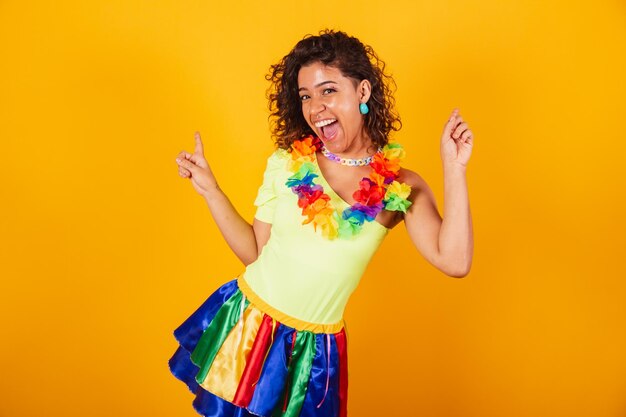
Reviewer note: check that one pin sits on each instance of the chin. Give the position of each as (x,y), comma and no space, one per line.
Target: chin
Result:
(335,144)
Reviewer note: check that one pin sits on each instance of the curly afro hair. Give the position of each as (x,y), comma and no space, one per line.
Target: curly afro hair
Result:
(355,60)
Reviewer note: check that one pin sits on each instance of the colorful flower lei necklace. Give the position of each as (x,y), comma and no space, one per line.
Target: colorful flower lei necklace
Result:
(379,192)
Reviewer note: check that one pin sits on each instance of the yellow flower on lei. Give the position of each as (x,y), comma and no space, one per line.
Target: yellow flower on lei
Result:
(393,151)
(396,197)
(400,189)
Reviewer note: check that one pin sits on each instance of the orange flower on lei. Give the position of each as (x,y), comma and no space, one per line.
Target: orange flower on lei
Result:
(303,151)
(386,167)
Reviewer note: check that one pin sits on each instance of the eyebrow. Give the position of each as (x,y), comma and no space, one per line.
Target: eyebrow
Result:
(318,85)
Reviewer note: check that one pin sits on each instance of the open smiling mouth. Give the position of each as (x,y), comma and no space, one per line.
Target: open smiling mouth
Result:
(328,128)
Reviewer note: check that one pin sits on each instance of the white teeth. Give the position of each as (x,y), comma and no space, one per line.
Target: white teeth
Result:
(324,122)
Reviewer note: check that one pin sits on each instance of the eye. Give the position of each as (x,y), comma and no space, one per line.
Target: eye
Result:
(303,97)
(330,90)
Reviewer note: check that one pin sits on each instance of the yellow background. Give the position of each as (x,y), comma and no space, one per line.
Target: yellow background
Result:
(105,249)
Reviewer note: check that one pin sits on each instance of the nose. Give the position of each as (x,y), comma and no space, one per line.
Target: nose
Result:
(316,106)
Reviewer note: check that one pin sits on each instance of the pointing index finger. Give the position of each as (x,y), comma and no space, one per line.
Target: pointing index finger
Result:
(199,147)
(453,115)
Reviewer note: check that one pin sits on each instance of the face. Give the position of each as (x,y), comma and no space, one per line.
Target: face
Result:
(330,105)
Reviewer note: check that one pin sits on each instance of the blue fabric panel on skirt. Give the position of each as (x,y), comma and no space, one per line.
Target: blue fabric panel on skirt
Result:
(184,369)
(210,405)
(188,334)
(271,386)
(317,383)
(191,330)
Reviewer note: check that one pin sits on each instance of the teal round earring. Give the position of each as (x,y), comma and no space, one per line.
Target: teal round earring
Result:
(363,108)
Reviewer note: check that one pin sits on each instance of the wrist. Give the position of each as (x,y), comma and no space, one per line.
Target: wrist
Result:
(211,193)
(454,168)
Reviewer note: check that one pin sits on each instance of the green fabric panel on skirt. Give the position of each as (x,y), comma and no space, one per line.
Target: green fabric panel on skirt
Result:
(215,334)
(299,372)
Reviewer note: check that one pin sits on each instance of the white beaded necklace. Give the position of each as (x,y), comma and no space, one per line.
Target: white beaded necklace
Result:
(347,161)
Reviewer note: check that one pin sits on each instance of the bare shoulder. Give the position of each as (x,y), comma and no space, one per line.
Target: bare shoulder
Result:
(413,179)
(423,209)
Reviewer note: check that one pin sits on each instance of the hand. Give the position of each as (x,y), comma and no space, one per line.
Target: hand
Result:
(197,168)
(457,141)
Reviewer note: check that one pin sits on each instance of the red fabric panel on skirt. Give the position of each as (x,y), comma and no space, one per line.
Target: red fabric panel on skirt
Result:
(340,339)
(252,371)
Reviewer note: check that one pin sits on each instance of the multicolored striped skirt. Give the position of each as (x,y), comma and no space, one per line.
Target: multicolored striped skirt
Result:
(243,358)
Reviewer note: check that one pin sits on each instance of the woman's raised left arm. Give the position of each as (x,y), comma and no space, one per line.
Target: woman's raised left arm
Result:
(446,243)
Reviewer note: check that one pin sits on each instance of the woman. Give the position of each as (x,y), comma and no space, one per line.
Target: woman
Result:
(272,341)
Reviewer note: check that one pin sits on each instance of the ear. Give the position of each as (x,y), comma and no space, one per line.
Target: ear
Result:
(364,91)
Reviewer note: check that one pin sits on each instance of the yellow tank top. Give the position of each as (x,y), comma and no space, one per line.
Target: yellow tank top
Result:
(299,272)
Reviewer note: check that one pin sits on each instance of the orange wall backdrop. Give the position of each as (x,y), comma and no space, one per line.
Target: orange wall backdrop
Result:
(105,250)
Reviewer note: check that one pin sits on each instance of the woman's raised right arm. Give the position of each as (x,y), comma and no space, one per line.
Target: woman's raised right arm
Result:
(245,240)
